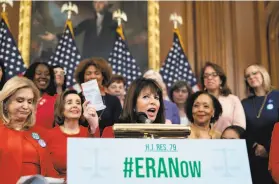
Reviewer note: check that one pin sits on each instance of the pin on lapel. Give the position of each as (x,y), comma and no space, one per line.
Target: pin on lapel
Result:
(42,143)
(35,136)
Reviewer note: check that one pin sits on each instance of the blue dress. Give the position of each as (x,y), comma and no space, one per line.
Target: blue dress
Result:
(172,112)
(259,130)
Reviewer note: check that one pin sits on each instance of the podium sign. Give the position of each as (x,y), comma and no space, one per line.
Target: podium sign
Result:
(157,161)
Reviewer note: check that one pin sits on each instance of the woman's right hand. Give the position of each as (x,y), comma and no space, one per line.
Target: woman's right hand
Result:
(90,114)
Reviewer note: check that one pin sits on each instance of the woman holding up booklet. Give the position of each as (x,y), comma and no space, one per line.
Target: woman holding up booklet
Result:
(98,69)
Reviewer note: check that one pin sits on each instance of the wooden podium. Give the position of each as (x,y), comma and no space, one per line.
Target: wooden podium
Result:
(151,131)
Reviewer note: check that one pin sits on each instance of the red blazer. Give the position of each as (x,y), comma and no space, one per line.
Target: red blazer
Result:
(11,155)
(45,111)
(108,132)
(57,145)
(274,154)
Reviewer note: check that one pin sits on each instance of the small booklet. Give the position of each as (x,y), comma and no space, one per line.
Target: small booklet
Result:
(92,94)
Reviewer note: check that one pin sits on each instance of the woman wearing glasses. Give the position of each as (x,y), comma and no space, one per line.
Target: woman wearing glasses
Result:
(261,110)
(214,81)
(60,78)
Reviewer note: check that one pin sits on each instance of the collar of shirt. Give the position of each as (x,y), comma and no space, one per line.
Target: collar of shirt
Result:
(100,17)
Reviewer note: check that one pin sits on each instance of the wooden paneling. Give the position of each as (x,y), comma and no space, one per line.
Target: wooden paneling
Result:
(231,34)
(272,19)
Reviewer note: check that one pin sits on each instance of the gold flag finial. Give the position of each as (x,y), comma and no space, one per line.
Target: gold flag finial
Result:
(69,8)
(119,16)
(176,19)
(4,4)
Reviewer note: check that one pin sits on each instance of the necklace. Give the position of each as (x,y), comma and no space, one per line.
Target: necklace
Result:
(258,115)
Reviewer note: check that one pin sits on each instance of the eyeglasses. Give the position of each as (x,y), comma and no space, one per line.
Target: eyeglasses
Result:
(181,91)
(60,72)
(213,74)
(251,74)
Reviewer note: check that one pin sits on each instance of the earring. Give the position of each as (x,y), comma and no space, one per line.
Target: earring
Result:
(204,89)
(220,86)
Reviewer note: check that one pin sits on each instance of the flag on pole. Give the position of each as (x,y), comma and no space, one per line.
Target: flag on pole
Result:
(176,66)
(66,53)
(9,53)
(121,59)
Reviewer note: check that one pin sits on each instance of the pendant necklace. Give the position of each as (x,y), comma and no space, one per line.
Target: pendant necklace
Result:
(258,115)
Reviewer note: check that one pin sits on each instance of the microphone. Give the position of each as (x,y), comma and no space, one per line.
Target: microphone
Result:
(142,118)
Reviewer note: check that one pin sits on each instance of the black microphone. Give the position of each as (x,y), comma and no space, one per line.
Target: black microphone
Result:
(142,118)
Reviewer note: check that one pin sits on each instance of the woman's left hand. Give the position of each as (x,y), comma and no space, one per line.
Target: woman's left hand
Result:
(90,114)
(260,151)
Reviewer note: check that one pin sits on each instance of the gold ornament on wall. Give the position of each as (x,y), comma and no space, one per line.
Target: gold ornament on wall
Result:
(153,35)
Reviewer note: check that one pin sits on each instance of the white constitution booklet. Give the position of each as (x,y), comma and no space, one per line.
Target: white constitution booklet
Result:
(92,94)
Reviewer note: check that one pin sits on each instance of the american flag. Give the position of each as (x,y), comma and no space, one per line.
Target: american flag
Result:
(66,54)
(176,66)
(121,59)
(9,53)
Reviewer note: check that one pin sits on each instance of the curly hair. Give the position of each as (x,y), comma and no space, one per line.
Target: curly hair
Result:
(100,64)
(30,74)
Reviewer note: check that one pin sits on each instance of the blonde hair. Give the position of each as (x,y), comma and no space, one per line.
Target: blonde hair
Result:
(266,78)
(152,74)
(9,89)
